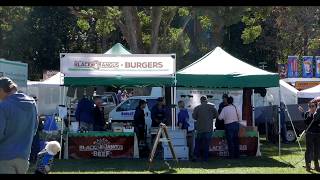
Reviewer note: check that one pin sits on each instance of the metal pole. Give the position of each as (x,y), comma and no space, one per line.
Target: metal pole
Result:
(253,119)
(279,124)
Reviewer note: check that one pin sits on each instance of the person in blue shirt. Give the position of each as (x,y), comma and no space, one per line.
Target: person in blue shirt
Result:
(84,114)
(183,116)
(18,126)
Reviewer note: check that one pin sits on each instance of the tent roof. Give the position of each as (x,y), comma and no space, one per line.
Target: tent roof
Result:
(55,80)
(118,49)
(221,70)
(310,92)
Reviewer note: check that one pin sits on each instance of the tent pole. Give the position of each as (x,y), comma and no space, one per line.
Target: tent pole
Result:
(279,124)
(253,119)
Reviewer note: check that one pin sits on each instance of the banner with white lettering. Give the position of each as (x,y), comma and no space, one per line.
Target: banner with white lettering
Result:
(101,147)
(104,65)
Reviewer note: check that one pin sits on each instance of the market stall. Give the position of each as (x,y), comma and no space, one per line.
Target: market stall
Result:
(117,67)
(220,72)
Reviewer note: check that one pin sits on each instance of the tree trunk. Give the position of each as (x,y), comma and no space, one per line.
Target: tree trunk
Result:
(156,19)
(132,24)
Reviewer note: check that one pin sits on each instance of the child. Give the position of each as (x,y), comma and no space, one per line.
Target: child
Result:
(46,156)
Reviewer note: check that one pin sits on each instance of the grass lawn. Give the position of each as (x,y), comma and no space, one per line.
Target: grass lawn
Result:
(291,161)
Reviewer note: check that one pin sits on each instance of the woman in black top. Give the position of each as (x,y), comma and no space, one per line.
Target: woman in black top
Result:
(139,121)
(312,135)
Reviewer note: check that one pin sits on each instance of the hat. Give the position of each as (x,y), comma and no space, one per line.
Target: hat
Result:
(6,83)
(224,96)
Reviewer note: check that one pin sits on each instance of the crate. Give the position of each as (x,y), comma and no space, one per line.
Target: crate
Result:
(182,152)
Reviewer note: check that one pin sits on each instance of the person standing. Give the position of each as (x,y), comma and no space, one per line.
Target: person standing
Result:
(98,115)
(203,115)
(18,126)
(183,123)
(219,124)
(84,114)
(283,123)
(231,116)
(312,120)
(119,96)
(158,113)
(139,121)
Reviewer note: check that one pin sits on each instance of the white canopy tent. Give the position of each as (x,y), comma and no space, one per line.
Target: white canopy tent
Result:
(272,97)
(48,93)
(310,93)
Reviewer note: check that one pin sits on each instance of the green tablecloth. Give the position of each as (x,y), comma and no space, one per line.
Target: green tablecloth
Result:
(221,134)
(100,133)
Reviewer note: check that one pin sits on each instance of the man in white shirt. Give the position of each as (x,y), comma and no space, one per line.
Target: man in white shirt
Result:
(231,116)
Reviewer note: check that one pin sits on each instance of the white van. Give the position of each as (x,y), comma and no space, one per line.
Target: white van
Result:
(124,112)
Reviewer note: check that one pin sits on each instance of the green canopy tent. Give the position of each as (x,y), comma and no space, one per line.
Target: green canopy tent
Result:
(118,49)
(218,69)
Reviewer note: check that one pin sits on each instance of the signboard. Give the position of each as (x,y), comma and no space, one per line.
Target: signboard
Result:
(282,70)
(191,97)
(16,71)
(48,74)
(219,146)
(104,65)
(318,66)
(307,68)
(101,147)
(292,66)
(301,85)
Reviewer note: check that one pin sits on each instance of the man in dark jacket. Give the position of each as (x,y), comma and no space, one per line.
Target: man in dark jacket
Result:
(204,115)
(159,113)
(18,125)
(98,115)
(139,121)
(84,114)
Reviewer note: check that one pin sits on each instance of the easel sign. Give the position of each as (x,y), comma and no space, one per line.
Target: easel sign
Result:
(164,132)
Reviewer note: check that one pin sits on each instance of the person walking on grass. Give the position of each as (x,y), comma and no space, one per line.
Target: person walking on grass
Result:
(18,126)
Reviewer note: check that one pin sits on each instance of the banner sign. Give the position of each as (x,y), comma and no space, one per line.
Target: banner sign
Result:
(293,66)
(219,146)
(17,71)
(191,97)
(318,66)
(104,65)
(307,68)
(101,147)
(282,70)
(301,85)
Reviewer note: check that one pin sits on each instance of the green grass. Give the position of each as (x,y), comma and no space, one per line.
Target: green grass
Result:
(291,161)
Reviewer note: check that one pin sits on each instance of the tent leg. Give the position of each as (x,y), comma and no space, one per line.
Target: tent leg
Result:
(279,124)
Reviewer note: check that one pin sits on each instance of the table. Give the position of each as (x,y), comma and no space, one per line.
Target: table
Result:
(249,143)
(100,144)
